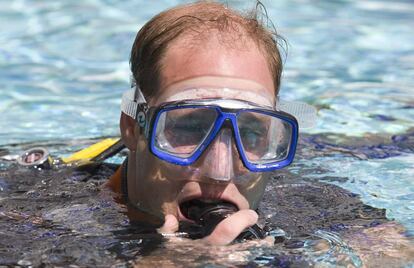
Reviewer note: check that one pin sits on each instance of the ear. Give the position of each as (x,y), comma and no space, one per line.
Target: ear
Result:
(128,132)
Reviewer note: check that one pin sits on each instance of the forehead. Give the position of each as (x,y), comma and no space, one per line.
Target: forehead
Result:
(242,68)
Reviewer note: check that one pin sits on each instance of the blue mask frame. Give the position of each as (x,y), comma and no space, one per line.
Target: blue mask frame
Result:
(224,114)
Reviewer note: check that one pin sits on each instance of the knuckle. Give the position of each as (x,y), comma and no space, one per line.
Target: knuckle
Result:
(253,217)
(227,229)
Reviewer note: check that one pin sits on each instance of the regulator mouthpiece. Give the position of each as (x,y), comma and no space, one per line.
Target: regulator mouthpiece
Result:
(209,215)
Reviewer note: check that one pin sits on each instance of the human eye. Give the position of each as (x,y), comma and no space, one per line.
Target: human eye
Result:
(188,127)
(251,136)
(253,129)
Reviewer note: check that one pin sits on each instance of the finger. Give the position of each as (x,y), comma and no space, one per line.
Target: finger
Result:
(270,240)
(170,225)
(228,229)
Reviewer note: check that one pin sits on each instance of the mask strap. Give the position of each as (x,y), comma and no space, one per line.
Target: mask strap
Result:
(136,108)
(305,114)
(131,100)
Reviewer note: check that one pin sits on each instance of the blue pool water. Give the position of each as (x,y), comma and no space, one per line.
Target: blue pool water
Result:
(64,66)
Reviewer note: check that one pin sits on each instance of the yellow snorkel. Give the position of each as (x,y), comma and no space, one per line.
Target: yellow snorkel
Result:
(92,152)
(39,157)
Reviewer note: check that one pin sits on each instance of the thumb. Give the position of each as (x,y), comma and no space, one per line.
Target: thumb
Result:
(229,228)
(170,225)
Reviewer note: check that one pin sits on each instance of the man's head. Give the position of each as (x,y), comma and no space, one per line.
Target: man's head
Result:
(192,25)
(199,51)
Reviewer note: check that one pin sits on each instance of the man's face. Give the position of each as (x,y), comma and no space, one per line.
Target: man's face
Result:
(158,187)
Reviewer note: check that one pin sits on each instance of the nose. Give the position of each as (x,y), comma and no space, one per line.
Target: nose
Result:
(217,160)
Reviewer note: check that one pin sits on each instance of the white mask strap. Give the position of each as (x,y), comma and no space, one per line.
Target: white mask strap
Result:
(129,104)
(305,114)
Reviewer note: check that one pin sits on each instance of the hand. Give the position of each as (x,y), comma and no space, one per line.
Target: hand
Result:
(225,232)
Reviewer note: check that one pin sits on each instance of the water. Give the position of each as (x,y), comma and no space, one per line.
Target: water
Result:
(56,218)
(64,66)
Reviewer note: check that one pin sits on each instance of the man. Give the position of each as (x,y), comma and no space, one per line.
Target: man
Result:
(204,125)
(204,51)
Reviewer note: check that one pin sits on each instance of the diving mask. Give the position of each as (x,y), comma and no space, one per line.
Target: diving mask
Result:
(179,131)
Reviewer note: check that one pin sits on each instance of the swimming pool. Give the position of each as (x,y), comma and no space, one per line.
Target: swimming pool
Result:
(64,66)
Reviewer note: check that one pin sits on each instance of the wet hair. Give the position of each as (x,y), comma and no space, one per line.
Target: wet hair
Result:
(154,38)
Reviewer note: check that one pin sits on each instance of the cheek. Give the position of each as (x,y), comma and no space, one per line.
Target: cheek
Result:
(155,193)
(254,190)
(152,185)
(152,168)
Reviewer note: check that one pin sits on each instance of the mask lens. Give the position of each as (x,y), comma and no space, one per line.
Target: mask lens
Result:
(264,138)
(180,131)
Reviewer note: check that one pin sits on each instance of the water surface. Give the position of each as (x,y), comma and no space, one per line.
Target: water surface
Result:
(64,66)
